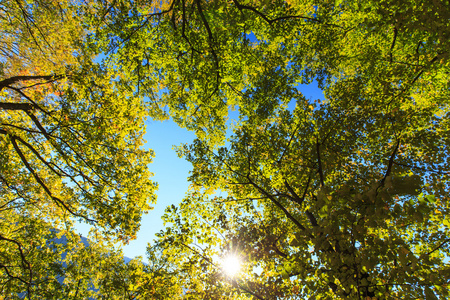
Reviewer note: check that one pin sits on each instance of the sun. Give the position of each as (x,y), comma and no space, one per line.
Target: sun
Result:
(231,265)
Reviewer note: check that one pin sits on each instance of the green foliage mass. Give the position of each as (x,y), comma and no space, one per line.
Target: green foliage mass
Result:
(70,150)
(345,198)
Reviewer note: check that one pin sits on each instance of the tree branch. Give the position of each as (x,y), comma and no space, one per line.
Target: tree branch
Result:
(289,143)
(29,99)
(16,106)
(299,200)
(147,19)
(438,247)
(199,254)
(211,42)
(15,79)
(422,169)
(278,251)
(248,291)
(277,203)
(296,198)
(183,29)
(322,182)
(41,182)
(393,43)
(25,263)
(391,162)
(270,21)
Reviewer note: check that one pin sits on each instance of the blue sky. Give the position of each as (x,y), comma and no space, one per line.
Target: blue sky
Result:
(171,172)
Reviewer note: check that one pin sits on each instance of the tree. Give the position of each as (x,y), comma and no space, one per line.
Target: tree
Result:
(313,198)
(70,141)
(199,59)
(345,198)
(61,265)
(342,198)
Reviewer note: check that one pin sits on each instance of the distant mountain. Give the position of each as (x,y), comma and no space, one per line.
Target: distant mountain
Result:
(64,240)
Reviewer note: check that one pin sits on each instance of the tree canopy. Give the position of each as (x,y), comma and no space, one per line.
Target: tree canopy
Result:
(345,197)
(70,142)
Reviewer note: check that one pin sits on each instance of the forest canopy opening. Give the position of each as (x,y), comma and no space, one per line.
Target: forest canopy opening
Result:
(347,198)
